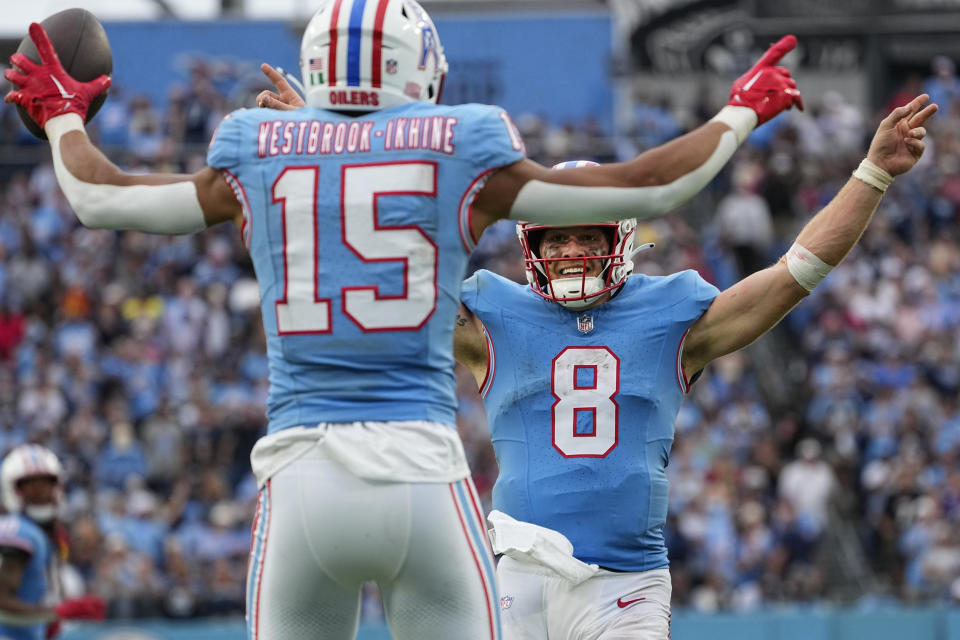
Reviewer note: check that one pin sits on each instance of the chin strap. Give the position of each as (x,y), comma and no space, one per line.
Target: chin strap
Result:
(642,247)
(40,513)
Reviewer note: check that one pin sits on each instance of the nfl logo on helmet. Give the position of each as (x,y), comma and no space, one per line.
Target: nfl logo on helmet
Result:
(506,602)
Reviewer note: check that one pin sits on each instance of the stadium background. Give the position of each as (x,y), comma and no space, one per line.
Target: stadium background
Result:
(815,478)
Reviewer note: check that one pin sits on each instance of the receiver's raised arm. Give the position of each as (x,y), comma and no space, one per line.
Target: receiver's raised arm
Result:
(654,182)
(100,193)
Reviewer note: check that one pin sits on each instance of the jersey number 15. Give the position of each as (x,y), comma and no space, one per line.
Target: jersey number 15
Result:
(301,310)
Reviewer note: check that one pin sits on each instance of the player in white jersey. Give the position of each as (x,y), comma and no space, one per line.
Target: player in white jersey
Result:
(582,374)
(360,210)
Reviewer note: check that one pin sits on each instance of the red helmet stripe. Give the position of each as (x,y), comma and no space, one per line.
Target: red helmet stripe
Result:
(375,58)
(332,62)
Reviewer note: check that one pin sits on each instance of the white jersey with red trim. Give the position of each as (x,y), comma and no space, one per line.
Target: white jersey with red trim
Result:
(581,408)
(359,231)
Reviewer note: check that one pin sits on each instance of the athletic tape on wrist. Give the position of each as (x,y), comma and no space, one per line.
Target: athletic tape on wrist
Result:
(807,269)
(873,175)
(741,119)
(56,127)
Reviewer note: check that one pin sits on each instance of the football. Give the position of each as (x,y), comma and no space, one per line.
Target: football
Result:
(84,51)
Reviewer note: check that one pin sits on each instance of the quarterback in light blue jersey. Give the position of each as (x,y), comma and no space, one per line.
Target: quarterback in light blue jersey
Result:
(360,204)
(582,372)
(31,599)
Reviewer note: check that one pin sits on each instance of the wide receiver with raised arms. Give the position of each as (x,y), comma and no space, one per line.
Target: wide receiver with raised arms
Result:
(582,373)
(31,597)
(360,211)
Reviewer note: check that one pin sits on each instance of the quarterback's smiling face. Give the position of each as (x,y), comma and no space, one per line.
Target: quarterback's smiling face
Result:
(575,243)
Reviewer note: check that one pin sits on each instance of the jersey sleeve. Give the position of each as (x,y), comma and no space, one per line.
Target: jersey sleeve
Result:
(698,295)
(470,291)
(13,535)
(224,149)
(483,293)
(495,140)
(694,297)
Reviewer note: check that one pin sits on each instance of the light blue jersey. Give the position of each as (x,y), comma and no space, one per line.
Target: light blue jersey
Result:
(581,409)
(359,231)
(21,533)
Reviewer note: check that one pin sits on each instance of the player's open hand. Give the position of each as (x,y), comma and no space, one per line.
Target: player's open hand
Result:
(285,98)
(766,88)
(898,143)
(46,90)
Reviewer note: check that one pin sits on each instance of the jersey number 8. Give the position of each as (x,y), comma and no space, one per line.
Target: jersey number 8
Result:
(585,381)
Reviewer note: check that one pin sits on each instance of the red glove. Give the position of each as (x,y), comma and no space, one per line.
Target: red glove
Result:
(46,90)
(767,89)
(53,629)
(82,608)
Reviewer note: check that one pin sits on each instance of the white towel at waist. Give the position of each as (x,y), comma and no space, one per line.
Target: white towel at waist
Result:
(526,542)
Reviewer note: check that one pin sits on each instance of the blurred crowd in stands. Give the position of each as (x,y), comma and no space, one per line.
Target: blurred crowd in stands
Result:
(821,464)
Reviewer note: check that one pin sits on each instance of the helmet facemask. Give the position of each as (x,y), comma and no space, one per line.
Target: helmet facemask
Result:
(578,292)
(42,513)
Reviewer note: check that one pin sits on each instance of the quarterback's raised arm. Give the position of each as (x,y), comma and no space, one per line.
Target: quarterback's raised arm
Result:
(652,183)
(100,193)
(750,308)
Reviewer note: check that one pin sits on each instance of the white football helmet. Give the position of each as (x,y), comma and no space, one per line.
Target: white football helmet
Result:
(363,55)
(27,461)
(580,291)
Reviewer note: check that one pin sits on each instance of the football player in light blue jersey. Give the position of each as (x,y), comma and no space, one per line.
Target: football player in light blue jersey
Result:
(582,374)
(360,210)
(31,601)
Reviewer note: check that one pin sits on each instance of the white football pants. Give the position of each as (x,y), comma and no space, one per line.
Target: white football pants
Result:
(538,604)
(321,532)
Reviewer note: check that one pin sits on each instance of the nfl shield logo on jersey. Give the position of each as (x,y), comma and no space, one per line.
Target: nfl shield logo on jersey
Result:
(585,322)
(506,602)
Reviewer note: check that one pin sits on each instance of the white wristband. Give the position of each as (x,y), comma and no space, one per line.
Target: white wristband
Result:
(60,125)
(807,269)
(873,175)
(741,119)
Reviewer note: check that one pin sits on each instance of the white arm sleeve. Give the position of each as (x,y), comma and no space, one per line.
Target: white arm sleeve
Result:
(169,208)
(564,204)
